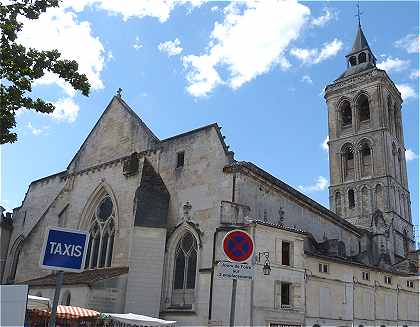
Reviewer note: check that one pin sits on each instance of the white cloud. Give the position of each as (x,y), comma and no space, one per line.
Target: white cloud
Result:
(327,15)
(57,29)
(34,131)
(160,9)
(320,184)
(324,144)
(410,155)
(409,42)
(406,91)
(172,48)
(393,64)
(214,8)
(65,110)
(315,56)
(51,78)
(251,39)
(137,45)
(307,79)
(415,74)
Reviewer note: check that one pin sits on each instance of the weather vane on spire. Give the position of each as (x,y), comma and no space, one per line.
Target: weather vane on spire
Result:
(359,13)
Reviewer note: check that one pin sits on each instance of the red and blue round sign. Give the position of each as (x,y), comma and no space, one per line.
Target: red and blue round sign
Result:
(238,245)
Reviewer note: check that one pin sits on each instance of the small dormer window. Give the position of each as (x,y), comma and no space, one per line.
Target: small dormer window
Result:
(353,61)
(180,159)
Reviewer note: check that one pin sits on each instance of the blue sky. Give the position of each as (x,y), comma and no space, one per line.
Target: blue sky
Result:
(258,69)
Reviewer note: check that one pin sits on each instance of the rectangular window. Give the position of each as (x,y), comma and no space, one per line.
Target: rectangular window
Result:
(285,295)
(285,253)
(180,159)
(410,284)
(388,280)
(323,268)
(365,275)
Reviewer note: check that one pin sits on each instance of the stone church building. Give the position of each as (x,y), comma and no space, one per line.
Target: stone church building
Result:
(158,209)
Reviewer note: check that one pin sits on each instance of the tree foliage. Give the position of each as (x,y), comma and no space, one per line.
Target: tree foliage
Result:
(20,67)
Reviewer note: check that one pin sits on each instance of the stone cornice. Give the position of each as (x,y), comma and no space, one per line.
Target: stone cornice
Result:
(350,82)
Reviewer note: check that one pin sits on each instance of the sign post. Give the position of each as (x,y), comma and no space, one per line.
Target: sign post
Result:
(63,250)
(238,247)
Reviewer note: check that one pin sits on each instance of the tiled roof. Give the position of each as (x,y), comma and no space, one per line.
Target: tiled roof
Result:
(86,277)
(282,185)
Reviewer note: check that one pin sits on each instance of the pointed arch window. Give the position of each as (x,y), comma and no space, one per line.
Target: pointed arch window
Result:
(365,201)
(390,114)
(346,114)
(348,163)
(338,209)
(363,106)
(102,232)
(400,165)
(353,61)
(351,199)
(362,57)
(397,122)
(15,262)
(185,270)
(379,197)
(366,156)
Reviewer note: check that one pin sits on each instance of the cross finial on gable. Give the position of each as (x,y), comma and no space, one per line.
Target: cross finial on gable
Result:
(119,92)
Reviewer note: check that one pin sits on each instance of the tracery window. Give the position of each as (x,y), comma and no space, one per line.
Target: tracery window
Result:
(346,114)
(185,271)
(363,106)
(102,231)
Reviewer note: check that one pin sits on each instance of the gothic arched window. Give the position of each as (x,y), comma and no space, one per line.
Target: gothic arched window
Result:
(15,263)
(363,107)
(102,231)
(397,122)
(185,270)
(346,115)
(366,156)
(379,197)
(400,166)
(362,57)
(365,201)
(338,203)
(353,61)
(390,114)
(348,162)
(351,199)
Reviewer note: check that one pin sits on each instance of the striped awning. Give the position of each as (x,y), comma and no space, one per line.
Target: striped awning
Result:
(70,312)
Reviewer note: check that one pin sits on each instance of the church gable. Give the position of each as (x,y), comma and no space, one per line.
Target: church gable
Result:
(118,132)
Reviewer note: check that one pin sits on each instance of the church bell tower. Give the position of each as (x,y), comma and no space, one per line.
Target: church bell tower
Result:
(366,149)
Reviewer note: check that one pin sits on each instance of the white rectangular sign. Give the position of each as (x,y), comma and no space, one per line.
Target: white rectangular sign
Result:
(229,270)
(13,305)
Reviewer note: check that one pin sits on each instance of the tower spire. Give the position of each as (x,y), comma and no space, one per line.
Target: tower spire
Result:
(359,13)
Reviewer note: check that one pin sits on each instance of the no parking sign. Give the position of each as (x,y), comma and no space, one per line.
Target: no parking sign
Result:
(238,246)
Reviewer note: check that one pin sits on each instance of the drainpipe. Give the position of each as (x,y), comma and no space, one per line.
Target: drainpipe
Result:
(251,311)
(398,315)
